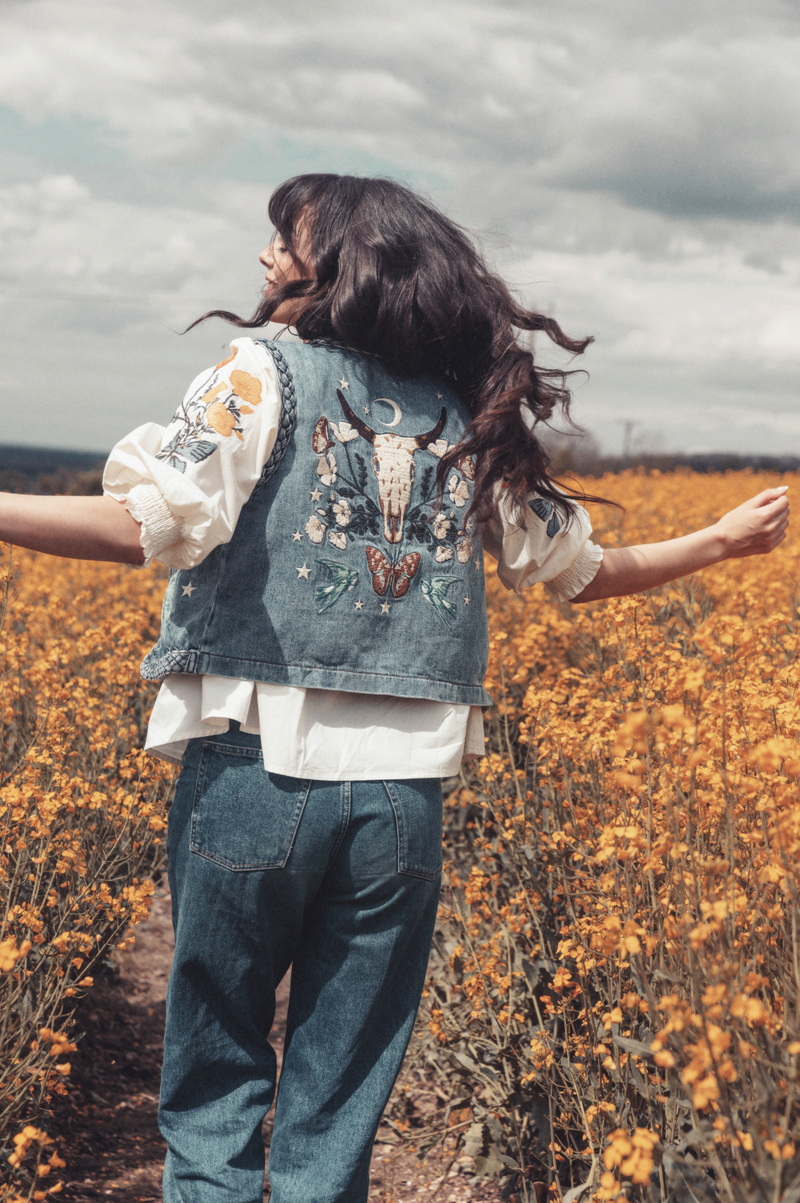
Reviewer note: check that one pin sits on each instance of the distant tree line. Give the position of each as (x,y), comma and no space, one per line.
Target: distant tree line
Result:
(71,473)
(580,453)
(50,470)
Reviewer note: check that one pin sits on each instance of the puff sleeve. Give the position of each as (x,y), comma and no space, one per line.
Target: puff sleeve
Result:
(550,549)
(186,483)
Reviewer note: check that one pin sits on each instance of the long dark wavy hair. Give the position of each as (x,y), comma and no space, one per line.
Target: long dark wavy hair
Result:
(393,277)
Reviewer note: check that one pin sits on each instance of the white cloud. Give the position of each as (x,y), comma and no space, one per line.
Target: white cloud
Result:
(639,167)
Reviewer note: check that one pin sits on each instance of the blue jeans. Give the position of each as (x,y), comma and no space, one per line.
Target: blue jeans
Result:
(340,880)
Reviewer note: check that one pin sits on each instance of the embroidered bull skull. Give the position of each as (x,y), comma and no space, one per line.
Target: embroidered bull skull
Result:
(393,463)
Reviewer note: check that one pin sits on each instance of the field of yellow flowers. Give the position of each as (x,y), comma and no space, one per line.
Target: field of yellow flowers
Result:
(81,809)
(614,1010)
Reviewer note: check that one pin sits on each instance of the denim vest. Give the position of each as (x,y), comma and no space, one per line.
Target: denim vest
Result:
(341,572)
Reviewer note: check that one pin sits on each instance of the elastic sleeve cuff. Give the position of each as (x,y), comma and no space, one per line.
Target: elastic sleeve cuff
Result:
(160,527)
(574,579)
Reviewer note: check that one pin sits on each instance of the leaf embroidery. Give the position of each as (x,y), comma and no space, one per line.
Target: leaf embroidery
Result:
(548,513)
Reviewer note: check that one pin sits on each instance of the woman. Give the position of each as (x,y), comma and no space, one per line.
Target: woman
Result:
(325,503)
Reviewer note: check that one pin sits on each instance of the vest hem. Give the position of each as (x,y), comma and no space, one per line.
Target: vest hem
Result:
(425,688)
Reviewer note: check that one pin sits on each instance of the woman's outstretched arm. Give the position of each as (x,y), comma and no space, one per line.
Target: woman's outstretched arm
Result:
(83,528)
(752,529)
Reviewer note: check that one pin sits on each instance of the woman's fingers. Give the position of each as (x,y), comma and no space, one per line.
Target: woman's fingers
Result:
(758,525)
(768,496)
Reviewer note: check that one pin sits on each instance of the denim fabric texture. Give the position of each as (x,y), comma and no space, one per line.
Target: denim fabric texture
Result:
(341,572)
(339,880)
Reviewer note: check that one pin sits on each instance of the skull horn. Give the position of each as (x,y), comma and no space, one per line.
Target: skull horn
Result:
(360,426)
(425,440)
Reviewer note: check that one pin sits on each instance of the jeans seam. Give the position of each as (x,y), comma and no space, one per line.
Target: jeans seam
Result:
(344,822)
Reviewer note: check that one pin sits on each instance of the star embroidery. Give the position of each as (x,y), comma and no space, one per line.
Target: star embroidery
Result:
(344,383)
(303,573)
(385,607)
(439,396)
(477,562)
(366,409)
(189,589)
(359,605)
(315,496)
(466,601)
(297,536)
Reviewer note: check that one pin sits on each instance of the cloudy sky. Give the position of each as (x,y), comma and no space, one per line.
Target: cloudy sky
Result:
(632,168)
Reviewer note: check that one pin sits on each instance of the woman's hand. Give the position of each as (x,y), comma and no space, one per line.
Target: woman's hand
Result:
(757,526)
(752,529)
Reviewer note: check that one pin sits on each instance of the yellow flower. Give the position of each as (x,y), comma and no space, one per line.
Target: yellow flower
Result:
(247,387)
(220,419)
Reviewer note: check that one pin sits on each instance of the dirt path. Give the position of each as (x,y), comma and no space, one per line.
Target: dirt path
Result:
(109,1134)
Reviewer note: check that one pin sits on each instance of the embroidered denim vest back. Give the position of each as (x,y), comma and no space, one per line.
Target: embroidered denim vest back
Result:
(341,572)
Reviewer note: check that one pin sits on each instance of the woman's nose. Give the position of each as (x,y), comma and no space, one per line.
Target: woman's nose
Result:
(266,257)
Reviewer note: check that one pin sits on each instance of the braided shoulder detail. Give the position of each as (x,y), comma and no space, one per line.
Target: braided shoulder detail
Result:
(288,413)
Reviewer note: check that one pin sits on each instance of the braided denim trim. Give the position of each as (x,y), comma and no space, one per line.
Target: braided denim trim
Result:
(153,668)
(288,413)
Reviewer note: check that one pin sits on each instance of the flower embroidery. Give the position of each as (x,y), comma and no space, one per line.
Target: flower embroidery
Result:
(246,387)
(443,554)
(344,432)
(464,550)
(326,469)
(441,525)
(438,448)
(338,539)
(459,491)
(220,418)
(212,394)
(215,407)
(315,529)
(342,511)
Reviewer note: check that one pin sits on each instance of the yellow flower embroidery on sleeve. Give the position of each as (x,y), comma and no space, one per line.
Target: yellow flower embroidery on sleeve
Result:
(246,387)
(220,419)
(212,394)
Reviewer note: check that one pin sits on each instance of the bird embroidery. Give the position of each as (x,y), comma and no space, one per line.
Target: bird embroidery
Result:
(341,578)
(434,590)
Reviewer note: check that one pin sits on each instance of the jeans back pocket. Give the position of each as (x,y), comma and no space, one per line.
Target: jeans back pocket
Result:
(244,818)
(417,805)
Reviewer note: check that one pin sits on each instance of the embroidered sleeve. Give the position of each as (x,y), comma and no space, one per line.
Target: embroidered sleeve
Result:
(186,483)
(548,550)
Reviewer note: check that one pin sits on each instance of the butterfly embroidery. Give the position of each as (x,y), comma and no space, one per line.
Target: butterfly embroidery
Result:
(321,439)
(466,466)
(385,573)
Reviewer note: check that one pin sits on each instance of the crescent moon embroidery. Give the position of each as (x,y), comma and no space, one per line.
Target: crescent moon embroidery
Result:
(398,413)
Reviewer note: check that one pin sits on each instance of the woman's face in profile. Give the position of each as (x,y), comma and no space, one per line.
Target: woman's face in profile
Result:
(282,267)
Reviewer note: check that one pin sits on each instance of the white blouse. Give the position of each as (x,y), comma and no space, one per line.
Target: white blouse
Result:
(186,509)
